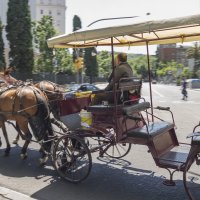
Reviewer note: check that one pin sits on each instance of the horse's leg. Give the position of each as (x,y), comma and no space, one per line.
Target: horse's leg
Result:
(15,141)
(44,157)
(7,151)
(23,125)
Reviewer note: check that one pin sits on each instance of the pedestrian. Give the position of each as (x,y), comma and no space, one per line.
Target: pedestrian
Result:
(184,89)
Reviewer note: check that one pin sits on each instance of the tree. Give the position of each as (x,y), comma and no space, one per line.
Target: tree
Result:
(2,56)
(64,61)
(76,26)
(42,31)
(91,66)
(140,65)
(77,53)
(104,63)
(194,52)
(19,35)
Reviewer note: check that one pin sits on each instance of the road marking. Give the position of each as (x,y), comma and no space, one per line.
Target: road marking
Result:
(158,93)
(187,102)
(177,102)
(11,194)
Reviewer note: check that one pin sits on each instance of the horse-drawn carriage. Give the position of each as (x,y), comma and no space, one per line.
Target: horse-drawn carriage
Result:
(116,126)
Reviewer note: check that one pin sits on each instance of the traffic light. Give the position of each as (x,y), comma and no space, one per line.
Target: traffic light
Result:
(79,62)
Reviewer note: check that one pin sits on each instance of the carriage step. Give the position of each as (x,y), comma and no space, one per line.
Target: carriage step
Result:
(175,158)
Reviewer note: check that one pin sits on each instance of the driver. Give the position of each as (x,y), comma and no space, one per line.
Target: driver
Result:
(122,70)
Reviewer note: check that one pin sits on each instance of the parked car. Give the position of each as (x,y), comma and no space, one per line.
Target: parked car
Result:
(83,87)
(76,89)
(154,82)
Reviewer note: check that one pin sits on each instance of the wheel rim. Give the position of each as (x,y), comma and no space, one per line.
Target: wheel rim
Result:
(191,178)
(118,150)
(72,159)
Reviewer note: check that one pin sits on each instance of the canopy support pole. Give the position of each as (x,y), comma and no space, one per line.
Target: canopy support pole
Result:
(149,74)
(114,86)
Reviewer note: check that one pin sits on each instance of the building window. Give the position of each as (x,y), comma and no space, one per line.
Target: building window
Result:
(58,23)
(41,12)
(50,12)
(42,1)
(58,12)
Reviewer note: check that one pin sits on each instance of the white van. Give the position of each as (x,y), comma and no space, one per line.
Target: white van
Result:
(193,83)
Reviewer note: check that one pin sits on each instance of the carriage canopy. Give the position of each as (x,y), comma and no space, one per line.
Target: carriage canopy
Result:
(175,30)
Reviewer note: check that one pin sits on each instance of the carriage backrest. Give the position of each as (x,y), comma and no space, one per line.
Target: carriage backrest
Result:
(128,84)
(127,87)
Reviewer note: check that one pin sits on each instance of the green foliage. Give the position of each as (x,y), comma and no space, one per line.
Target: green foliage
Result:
(91,66)
(42,31)
(104,63)
(140,65)
(64,61)
(169,68)
(2,56)
(19,35)
(76,26)
(186,73)
(194,52)
(76,23)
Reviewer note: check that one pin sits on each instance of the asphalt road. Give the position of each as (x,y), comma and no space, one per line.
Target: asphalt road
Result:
(134,177)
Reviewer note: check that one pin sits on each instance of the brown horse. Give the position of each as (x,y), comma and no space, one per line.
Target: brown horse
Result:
(54,93)
(26,104)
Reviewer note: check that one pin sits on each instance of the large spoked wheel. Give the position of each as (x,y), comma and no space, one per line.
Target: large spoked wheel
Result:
(191,177)
(118,150)
(72,158)
(115,149)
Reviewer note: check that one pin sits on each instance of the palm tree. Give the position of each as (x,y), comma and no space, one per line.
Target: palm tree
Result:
(194,52)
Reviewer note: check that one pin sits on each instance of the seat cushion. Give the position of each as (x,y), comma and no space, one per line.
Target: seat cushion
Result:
(196,140)
(151,130)
(102,108)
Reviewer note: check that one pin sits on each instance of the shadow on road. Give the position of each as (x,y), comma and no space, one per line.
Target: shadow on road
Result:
(110,179)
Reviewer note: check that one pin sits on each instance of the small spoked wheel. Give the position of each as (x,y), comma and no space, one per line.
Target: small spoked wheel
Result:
(191,177)
(72,158)
(118,150)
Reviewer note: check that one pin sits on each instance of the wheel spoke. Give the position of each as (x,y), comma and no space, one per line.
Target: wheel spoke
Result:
(118,150)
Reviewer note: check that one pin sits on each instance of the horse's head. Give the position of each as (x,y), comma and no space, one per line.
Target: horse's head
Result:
(6,77)
(54,93)
(52,90)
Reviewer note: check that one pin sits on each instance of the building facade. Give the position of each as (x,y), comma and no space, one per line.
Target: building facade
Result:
(38,8)
(172,52)
(55,8)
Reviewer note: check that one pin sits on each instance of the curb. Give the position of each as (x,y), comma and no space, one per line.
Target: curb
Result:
(6,194)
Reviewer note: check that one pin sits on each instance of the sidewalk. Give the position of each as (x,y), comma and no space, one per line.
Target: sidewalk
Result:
(7,194)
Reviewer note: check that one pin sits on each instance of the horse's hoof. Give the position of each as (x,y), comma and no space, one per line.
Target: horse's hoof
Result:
(23,156)
(7,151)
(43,161)
(15,141)
(6,154)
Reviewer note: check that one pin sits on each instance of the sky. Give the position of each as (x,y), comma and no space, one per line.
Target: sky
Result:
(92,10)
